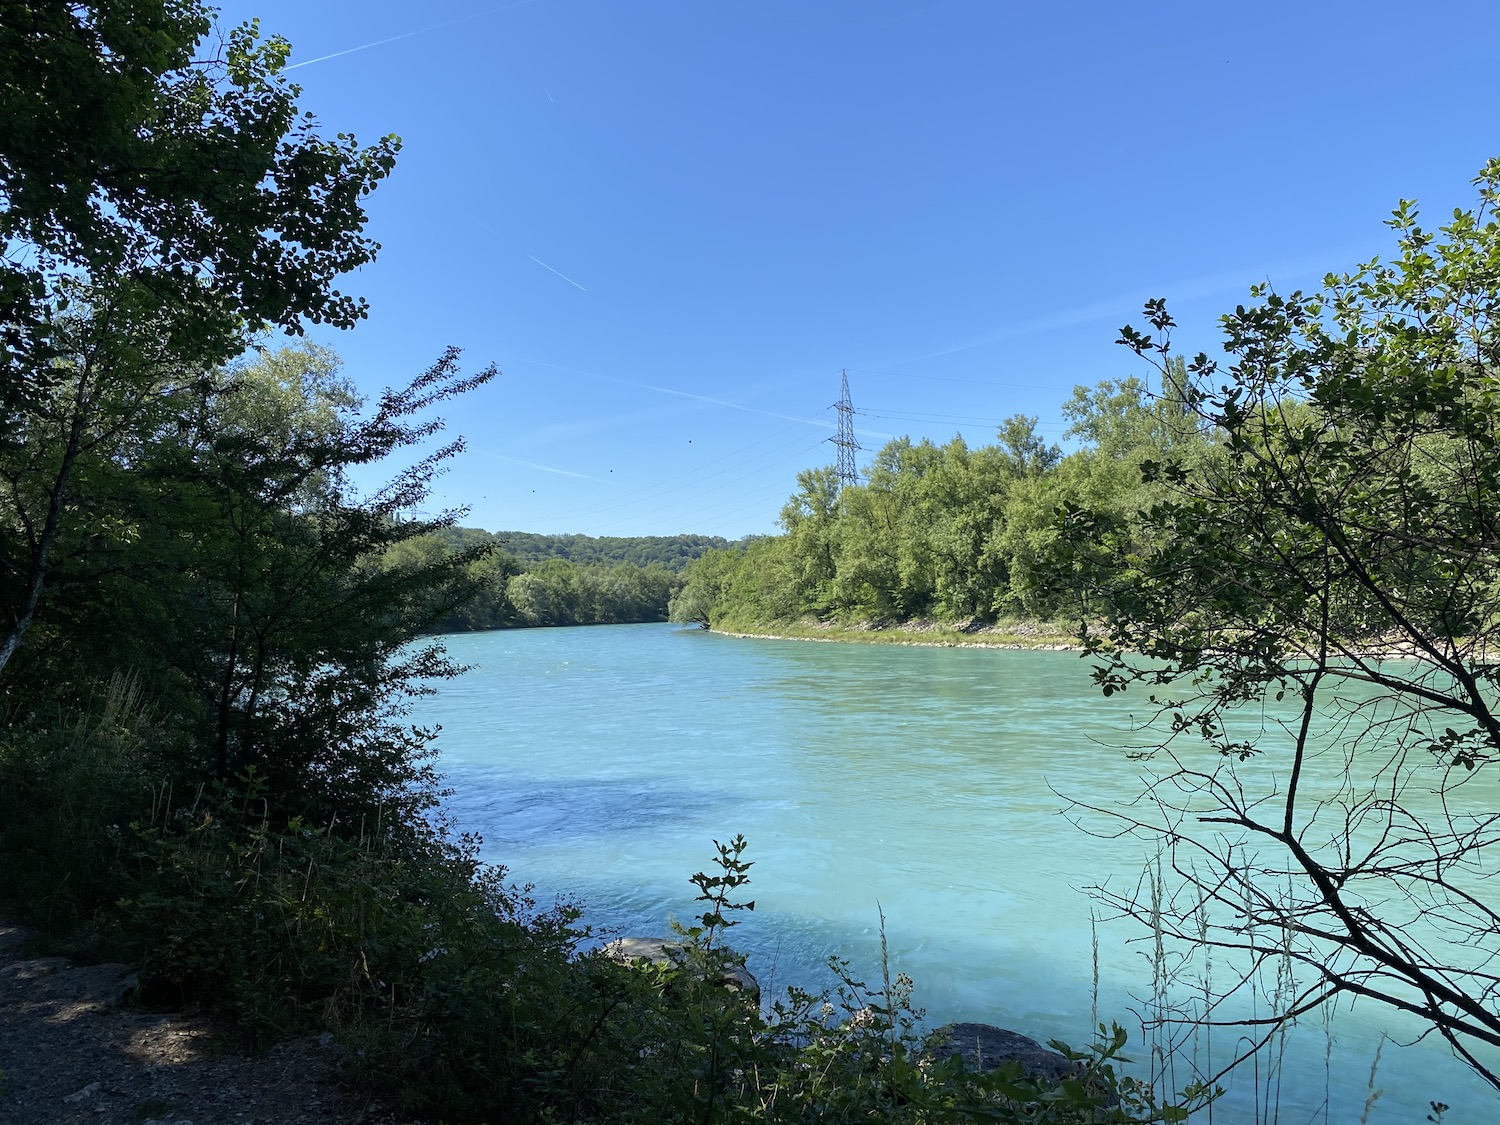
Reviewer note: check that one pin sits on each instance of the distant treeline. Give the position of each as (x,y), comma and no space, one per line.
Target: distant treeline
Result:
(673,552)
(951,532)
(520,579)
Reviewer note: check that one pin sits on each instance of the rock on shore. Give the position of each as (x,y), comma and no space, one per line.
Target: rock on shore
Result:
(983,1046)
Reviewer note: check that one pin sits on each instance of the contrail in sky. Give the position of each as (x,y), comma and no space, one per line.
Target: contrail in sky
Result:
(408,34)
(533,257)
(535,465)
(708,399)
(559,273)
(1130,304)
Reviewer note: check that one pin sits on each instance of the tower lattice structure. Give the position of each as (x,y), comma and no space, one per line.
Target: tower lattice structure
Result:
(847,444)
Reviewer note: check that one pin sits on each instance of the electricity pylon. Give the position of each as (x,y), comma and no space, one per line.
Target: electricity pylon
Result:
(848,445)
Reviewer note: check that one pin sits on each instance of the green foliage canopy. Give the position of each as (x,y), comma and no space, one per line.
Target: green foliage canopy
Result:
(1333,565)
(946,532)
(157,208)
(128,152)
(249,585)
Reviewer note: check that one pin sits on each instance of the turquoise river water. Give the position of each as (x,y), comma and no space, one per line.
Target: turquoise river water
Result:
(600,763)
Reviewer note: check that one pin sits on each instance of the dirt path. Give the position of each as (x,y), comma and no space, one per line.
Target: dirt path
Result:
(70,1052)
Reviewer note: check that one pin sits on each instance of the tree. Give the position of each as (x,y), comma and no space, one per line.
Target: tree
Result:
(262,601)
(126,152)
(1313,614)
(701,596)
(486,606)
(156,209)
(809,519)
(551,594)
(1026,452)
(291,612)
(114,368)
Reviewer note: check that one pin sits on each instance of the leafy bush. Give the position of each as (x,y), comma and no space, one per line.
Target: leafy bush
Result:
(68,787)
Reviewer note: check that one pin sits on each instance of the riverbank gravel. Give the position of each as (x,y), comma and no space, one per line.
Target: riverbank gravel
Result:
(73,1050)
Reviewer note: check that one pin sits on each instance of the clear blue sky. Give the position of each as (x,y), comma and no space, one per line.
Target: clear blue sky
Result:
(672,224)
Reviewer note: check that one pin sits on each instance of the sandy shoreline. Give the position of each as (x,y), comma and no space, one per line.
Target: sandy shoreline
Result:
(919,635)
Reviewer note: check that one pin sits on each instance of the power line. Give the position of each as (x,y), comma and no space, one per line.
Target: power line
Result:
(957,379)
(765,493)
(694,478)
(909,416)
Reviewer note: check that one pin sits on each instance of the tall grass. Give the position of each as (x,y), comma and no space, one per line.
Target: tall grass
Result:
(70,786)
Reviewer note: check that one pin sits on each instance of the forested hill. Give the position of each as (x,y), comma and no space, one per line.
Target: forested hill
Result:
(520,578)
(672,552)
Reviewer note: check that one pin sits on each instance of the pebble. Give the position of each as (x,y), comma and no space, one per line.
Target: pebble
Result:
(83,1095)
